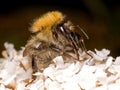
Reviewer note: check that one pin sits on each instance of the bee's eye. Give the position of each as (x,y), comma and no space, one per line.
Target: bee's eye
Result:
(61,29)
(65,32)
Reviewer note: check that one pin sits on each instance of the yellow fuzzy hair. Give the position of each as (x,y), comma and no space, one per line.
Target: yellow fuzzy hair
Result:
(47,21)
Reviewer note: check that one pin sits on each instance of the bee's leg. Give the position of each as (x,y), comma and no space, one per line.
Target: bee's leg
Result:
(77,54)
(83,47)
(62,53)
(75,46)
(34,65)
(76,49)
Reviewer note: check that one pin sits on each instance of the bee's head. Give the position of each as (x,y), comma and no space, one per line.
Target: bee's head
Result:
(65,28)
(68,29)
(70,32)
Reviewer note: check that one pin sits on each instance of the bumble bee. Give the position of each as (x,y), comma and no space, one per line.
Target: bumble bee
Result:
(54,35)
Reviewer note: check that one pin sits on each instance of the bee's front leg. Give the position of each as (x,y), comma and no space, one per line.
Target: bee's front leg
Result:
(83,47)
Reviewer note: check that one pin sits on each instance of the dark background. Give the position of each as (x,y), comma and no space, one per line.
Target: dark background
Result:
(99,18)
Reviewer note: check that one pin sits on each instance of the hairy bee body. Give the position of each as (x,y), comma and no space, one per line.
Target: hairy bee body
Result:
(54,36)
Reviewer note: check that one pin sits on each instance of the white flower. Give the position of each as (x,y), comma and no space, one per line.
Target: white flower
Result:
(16,72)
(117,61)
(100,55)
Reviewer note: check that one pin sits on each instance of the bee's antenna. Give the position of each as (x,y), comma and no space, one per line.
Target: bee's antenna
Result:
(83,31)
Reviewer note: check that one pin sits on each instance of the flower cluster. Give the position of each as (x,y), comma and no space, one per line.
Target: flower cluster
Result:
(100,72)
